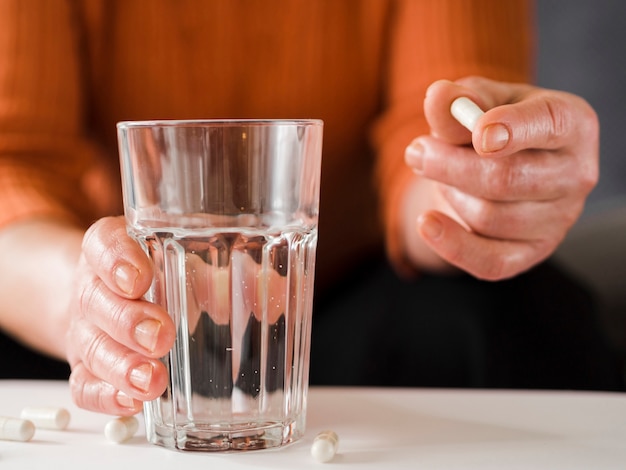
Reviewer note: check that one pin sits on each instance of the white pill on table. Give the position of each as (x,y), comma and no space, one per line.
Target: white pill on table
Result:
(15,429)
(466,112)
(325,446)
(47,417)
(121,429)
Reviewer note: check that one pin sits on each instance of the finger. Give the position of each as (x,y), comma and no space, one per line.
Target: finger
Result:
(529,175)
(437,103)
(540,119)
(484,258)
(517,116)
(492,93)
(90,393)
(140,325)
(140,377)
(485,93)
(116,258)
(526,220)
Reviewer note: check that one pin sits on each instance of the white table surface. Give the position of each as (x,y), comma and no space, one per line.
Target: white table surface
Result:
(378,428)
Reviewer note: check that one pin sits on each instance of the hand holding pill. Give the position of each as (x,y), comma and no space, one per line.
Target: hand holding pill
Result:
(498,199)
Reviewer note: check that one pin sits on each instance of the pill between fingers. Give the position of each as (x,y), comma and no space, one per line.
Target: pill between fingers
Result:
(466,112)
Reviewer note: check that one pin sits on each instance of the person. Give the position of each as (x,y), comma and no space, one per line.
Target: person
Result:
(418,215)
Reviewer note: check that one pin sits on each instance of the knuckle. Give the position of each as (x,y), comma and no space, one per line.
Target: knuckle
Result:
(456,254)
(99,359)
(120,315)
(471,81)
(88,393)
(89,296)
(589,120)
(72,355)
(93,349)
(493,270)
(90,235)
(500,266)
(92,239)
(589,178)
(567,113)
(512,260)
(81,388)
(77,384)
(122,364)
(484,219)
(559,120)
(101,240)
(568,217)
(498,179)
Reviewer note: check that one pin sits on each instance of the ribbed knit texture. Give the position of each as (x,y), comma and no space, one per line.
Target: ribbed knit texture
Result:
(69,70)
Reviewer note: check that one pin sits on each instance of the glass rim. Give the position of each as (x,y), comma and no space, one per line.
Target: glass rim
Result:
(236,122)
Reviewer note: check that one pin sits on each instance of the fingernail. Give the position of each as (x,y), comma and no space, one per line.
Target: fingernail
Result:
(125,277)
(414,156)
(430,226)
(495,137)
(140,377)
(146,333)
(124,400)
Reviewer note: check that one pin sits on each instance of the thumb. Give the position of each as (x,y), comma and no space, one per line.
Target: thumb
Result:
(540,119)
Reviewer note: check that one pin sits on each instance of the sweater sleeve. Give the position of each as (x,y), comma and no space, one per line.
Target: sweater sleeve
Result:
(46,162)
(431,40)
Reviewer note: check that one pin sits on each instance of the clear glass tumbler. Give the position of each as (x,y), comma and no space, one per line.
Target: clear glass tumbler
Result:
(228,212)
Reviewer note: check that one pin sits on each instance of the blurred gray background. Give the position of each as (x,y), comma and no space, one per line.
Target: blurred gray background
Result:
(582,49)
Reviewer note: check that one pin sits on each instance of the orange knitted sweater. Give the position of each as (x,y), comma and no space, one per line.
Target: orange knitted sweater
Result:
(70,69)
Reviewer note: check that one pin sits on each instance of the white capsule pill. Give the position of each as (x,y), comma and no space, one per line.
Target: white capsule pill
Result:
(47,417)
(466,112)
(121,429)
(325,446)
(15,429)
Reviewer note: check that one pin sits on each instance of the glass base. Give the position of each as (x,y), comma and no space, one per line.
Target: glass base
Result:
(218,439)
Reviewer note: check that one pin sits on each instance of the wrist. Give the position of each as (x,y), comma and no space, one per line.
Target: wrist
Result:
(39,260)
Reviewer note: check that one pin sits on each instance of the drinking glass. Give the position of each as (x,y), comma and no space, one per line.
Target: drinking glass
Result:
(227,210)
